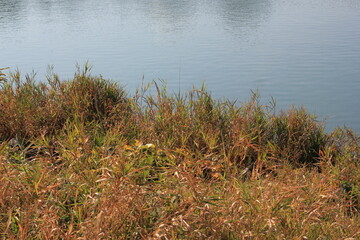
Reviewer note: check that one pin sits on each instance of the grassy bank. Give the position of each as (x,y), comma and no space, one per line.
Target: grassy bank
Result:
(82,159)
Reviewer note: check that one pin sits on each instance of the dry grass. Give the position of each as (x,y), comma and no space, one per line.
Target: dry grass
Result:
(81,159)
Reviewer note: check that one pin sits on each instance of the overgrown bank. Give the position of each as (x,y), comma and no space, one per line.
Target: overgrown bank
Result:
(83,159)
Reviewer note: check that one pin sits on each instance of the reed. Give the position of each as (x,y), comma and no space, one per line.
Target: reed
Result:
(83,159)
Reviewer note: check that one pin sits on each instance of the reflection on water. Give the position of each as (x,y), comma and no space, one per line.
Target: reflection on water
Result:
(301,52)
(239,14)
(164,15)
(11,14)
(169,16)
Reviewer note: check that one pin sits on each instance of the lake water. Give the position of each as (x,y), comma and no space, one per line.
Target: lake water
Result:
(301,52)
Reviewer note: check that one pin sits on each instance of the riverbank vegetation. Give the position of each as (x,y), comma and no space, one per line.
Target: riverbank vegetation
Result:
(82,159)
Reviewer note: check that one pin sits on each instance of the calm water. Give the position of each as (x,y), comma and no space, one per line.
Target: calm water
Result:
(301,52)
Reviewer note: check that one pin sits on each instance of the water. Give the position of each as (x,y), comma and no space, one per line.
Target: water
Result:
(301,52)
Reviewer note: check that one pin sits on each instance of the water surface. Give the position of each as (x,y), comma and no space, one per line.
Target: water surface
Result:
(301,52)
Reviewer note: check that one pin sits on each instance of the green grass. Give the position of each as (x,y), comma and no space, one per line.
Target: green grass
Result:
(82,159)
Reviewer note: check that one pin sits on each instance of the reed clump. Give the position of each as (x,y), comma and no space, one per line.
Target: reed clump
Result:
(83,159)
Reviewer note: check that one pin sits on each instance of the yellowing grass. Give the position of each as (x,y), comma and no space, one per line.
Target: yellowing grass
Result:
(81,159)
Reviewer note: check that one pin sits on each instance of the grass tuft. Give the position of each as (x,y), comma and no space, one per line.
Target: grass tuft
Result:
(82,159)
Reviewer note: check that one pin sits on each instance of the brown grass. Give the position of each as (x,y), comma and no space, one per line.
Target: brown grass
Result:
(81,159)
